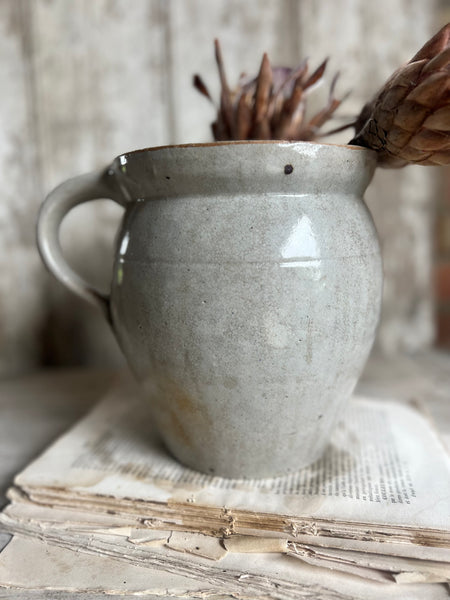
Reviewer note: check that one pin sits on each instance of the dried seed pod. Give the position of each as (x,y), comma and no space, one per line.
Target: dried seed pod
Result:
(408,120)
(269,106)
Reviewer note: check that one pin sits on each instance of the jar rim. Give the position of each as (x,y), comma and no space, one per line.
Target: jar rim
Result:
(283,143)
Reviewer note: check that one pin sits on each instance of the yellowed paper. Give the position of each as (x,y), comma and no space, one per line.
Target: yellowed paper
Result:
(249,544)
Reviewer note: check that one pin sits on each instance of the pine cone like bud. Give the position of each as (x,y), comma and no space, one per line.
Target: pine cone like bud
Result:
(408,121)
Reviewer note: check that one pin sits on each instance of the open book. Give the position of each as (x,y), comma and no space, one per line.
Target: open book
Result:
(376,505)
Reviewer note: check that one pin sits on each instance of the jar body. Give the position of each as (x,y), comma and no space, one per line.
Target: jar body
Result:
(248,316)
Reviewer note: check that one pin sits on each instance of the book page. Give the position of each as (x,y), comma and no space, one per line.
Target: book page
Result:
(23,516)
(31,564)
(60,564)
(384,465)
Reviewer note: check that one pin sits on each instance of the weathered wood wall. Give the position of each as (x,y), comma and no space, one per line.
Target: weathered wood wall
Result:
(83,81)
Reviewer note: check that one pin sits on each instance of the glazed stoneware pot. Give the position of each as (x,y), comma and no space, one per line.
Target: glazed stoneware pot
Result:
(245,293)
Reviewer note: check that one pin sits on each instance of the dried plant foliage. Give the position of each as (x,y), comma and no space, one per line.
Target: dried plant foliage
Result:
(408,120)
(271,106)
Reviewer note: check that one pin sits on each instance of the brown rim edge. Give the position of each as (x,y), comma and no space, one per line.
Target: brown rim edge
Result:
(242,143)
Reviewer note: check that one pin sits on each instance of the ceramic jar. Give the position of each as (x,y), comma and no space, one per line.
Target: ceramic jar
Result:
(245,294)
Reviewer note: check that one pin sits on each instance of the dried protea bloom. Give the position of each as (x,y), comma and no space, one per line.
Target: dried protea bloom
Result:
(270,106)
(408,121)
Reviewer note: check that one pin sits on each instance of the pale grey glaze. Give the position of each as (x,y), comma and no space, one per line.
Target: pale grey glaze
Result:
(245,296)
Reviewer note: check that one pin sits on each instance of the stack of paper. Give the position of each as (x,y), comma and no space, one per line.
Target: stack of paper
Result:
(373,512)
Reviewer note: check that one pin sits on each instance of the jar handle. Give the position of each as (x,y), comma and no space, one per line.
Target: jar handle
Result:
(59,202)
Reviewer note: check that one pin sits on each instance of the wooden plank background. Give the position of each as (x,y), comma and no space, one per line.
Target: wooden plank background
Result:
(83,81)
